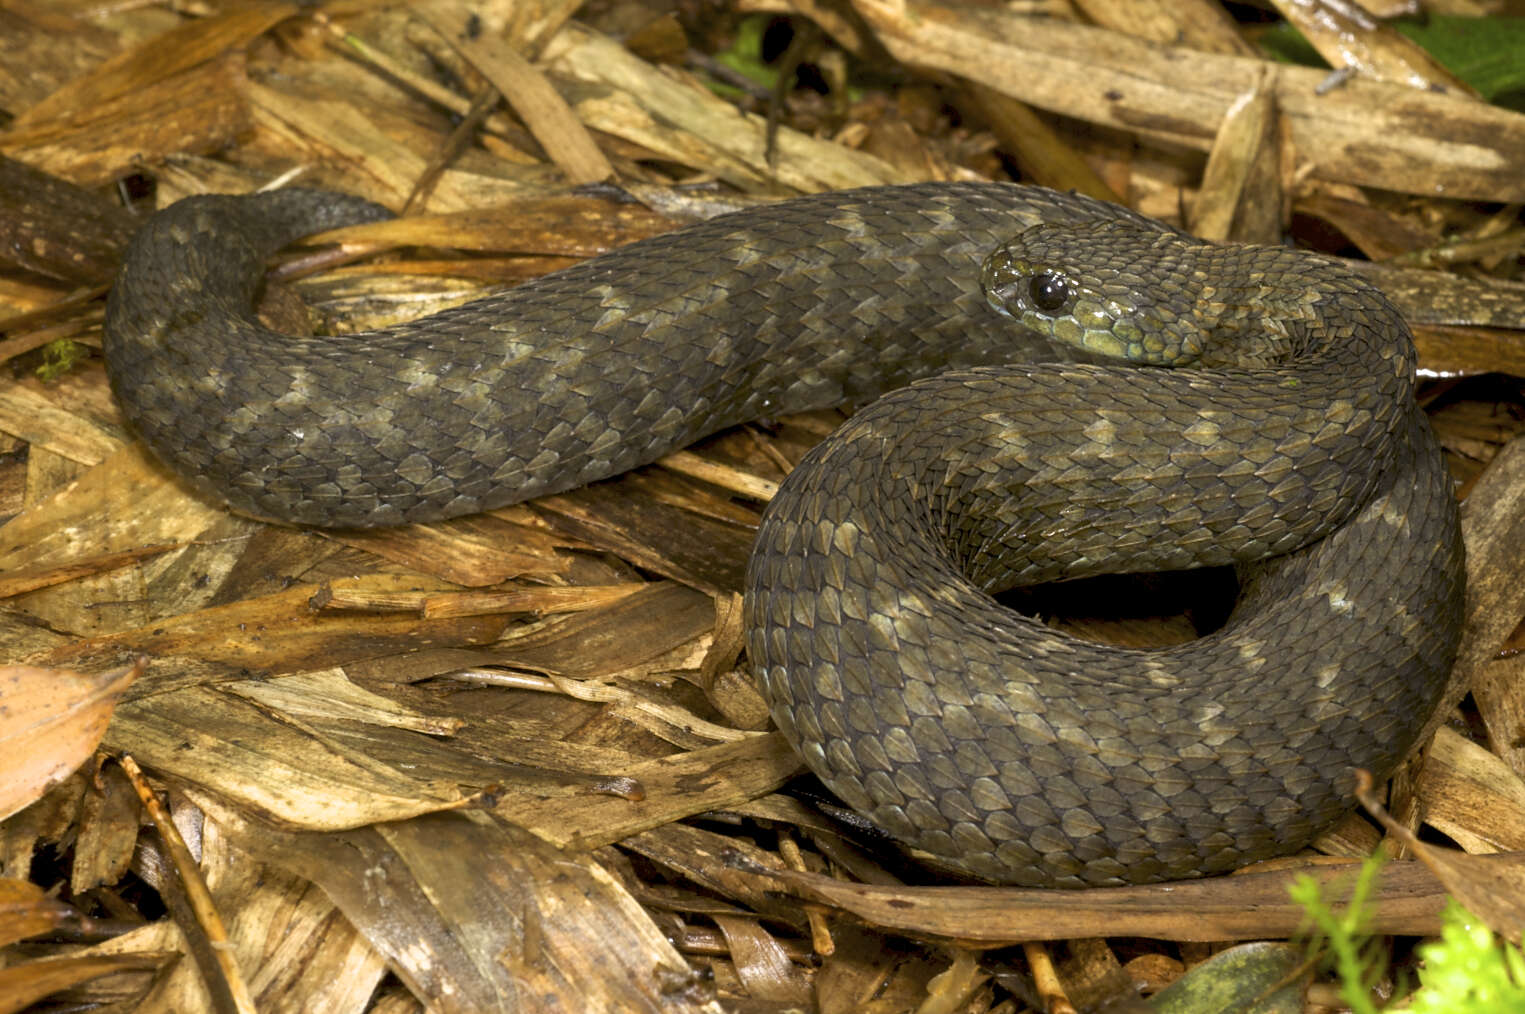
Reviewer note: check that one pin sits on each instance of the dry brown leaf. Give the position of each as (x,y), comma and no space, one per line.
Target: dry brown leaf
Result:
(1366,132)
(1194,24)
(673,542)
(681,120)
(761,964)
(18,582)
(1493,891)
(1241,197)
(284,632)
(25,984)
(197,111)
(26,910)
(1493,528)
(1472,795)
(50,723)
(154,60)
(473,551)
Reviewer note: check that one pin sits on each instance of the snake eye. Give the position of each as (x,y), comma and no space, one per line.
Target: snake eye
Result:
(1048,291)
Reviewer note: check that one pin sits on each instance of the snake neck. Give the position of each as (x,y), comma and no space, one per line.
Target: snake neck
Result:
(1260,307)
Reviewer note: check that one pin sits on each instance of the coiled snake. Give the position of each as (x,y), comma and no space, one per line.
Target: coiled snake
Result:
(1046,444)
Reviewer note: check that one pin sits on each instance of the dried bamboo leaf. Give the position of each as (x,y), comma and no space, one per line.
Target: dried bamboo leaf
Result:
(567,225)
(538,601)
(1045,157)
(37,419)
(54,228)
(660,791)
(544,112)
(109,821)
(19,582)
(272,764)
(1492,891)
(317,126)
(675,543)
(761,964)
(1493,529)
(41,50)
(25,984)
(693,126)
(197,111)
(282,633)
(619,638)
(1368,133)
(1241,198)
(477,916)
(1196,24)
(475,551)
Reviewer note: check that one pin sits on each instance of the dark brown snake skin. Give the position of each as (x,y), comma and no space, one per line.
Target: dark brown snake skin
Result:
(1287,434)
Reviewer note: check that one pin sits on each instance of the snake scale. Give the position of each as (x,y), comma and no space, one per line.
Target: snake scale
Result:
(1029,434)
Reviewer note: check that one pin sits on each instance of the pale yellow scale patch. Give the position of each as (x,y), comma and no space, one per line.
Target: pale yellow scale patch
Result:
(1339,598)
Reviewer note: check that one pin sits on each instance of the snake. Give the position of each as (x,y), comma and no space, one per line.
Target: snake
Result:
(1046,387)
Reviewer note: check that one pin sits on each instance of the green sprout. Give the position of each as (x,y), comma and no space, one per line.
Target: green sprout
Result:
(1466,969)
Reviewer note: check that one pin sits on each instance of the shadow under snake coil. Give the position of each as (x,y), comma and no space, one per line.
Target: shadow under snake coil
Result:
(1030,435)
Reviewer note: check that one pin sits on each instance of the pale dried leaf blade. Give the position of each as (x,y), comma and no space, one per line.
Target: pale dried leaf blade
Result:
(50,723)
(478,916)
(278,766)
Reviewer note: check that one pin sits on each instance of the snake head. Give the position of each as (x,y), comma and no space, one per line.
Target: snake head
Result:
(1111,289)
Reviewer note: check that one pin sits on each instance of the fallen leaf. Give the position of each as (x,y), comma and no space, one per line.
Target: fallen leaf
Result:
(50,723)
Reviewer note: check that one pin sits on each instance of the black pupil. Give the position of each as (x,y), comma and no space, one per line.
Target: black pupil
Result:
(1048,292)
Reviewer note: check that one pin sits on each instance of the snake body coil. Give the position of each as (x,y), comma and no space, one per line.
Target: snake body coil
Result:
(1285,441)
